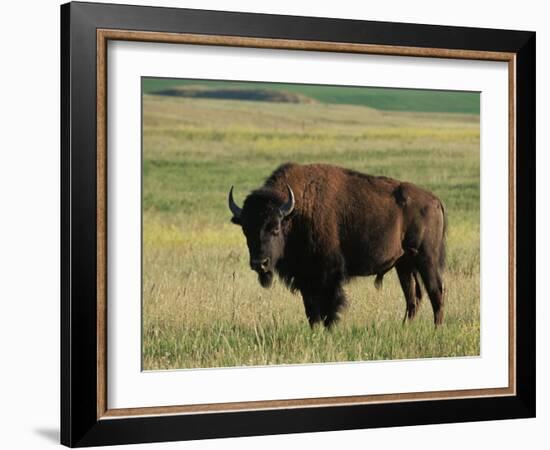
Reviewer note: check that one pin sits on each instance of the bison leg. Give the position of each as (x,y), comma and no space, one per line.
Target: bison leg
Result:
(313,313)
(334,302)
(324,304)
(312,308)
(411,289)
(433,282)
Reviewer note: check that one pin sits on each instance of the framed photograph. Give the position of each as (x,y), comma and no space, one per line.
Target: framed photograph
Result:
(277,224)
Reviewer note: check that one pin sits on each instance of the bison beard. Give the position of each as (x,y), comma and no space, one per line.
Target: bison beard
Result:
(265,279)
(318,225)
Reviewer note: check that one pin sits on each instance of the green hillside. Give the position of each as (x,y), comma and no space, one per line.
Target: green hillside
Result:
(379,98)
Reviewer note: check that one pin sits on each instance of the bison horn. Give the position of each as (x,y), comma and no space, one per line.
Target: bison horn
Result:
(233,206)
(288,207)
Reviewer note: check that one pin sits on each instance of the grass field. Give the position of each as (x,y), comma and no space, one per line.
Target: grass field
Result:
(203,306)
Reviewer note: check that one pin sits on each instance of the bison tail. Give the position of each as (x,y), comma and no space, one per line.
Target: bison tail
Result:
(442,245)
(378,281)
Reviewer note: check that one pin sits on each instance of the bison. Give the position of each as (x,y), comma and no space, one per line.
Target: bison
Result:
(319,225)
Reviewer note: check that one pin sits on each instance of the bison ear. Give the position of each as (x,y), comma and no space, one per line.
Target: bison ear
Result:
(236,220)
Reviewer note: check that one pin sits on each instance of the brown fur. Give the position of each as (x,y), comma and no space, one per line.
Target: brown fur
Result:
(348,224)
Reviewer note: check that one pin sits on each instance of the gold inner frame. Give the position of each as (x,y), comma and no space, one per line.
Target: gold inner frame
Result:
(103,36)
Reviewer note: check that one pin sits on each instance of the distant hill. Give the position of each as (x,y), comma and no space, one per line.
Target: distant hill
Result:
(379,98)
(235,93)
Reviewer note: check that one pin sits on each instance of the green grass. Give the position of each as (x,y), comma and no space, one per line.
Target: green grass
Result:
(378,98)
(203,306)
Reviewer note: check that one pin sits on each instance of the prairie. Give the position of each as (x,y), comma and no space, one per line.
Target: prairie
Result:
(202,305)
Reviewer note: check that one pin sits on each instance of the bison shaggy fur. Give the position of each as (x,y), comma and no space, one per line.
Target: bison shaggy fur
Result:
(319,225)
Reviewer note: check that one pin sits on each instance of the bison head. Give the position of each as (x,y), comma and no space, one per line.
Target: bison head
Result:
(263,219)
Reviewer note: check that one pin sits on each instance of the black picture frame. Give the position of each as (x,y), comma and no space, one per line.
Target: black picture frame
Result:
(80,425)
